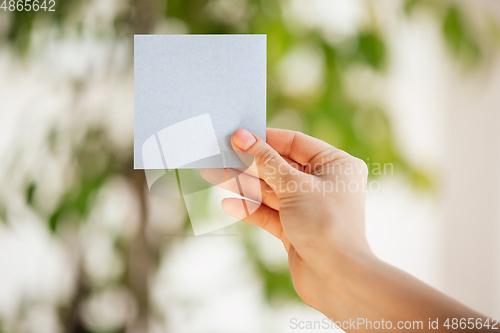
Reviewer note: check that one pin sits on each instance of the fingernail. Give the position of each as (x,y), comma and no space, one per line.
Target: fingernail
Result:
(243,139)
(234,208)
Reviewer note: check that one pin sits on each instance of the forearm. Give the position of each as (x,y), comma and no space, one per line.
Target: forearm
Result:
(373,290)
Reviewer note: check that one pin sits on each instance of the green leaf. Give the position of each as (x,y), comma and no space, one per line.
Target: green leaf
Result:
(3,213)
(30,192)
(372,49)
(410,6)
(54,220)
(458,39)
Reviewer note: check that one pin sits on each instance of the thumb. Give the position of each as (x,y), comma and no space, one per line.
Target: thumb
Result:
(272,168)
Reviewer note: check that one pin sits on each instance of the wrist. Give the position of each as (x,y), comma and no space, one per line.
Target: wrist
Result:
(341,282)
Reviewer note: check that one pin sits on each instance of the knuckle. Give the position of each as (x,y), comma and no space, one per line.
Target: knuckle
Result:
(361,166)
(327,156)
(264,155)
(265,195)
(266,220)
(331,154)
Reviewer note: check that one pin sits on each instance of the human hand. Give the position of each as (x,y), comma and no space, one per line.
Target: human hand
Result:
(313,200)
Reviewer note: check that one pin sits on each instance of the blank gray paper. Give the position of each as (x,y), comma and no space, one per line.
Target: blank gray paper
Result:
(191,92)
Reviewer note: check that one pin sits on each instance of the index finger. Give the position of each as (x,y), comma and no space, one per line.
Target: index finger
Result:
(297,146)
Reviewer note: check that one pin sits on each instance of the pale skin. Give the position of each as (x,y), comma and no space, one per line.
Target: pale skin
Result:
(323,231)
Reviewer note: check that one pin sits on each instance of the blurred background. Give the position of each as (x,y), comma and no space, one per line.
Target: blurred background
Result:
(85,248)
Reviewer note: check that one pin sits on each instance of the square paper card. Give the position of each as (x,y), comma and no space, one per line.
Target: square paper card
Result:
(191,92)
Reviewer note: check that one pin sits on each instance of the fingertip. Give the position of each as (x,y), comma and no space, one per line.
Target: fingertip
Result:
(243,139)
(234,207)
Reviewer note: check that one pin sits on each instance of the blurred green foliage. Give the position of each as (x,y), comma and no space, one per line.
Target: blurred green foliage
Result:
(93,164)
(372,48)
(460,38)
(331,113)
